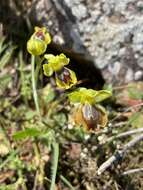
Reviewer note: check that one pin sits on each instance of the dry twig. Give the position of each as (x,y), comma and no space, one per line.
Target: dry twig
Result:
(119,154)
(132,171)
(125,134)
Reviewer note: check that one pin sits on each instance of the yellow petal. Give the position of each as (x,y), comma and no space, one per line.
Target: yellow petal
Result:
(47,70)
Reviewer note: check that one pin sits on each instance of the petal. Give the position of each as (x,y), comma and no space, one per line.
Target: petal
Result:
(47,70)
(74,97)
(48,56)
(47,38)
(63,59)
(54,61)
(102,95)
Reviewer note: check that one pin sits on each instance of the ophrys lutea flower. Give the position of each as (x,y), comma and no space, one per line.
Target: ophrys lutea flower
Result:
(65,78)
(88,113)
(37,44)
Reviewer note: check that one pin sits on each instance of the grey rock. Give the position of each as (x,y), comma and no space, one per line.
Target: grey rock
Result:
(110,31)
(138,75)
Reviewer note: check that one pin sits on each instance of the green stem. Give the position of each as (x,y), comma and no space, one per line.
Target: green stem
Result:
(67,182)
(35,96)
(54,164)
(38,67)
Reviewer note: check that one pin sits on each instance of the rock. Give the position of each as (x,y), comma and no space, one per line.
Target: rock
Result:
(110,31)
(138,75)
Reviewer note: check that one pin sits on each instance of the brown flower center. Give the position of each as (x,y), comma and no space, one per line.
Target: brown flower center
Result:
(64,75)
(40,35)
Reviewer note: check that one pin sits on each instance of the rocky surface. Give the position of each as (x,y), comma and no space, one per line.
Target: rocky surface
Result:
(110,31)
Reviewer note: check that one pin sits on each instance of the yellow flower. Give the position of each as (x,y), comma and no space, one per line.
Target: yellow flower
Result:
(55,63)
(37,44)
(65,78)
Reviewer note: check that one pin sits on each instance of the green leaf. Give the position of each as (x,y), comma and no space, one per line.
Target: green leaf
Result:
(6,56)
(47,94)
(4,81)
(60,119)
(31,132)
(102,95)
(54,165)
(30,114)
(2,45)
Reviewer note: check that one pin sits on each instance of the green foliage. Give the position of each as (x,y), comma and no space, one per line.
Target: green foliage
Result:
(27,133)
(6,51)
(4,81)
(47,94)
(25,76)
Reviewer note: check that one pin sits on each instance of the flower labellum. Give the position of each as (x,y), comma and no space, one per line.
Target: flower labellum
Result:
(65,78)
(90,117)
(88,112)
(37,44)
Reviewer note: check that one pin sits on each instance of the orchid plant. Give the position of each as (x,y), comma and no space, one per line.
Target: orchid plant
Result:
(87,111)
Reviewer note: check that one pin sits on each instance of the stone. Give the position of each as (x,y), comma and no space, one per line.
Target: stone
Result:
(138,75)
(109,31)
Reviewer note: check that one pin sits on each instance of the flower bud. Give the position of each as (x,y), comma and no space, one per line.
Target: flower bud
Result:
(38,42)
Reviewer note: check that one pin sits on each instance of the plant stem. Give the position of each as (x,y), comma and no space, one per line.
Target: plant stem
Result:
(67,182)
(35,96)
(40,170)
(38,67)
(54,164)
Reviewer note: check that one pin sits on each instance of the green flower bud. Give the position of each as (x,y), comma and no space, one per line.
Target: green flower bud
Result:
(38,42)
